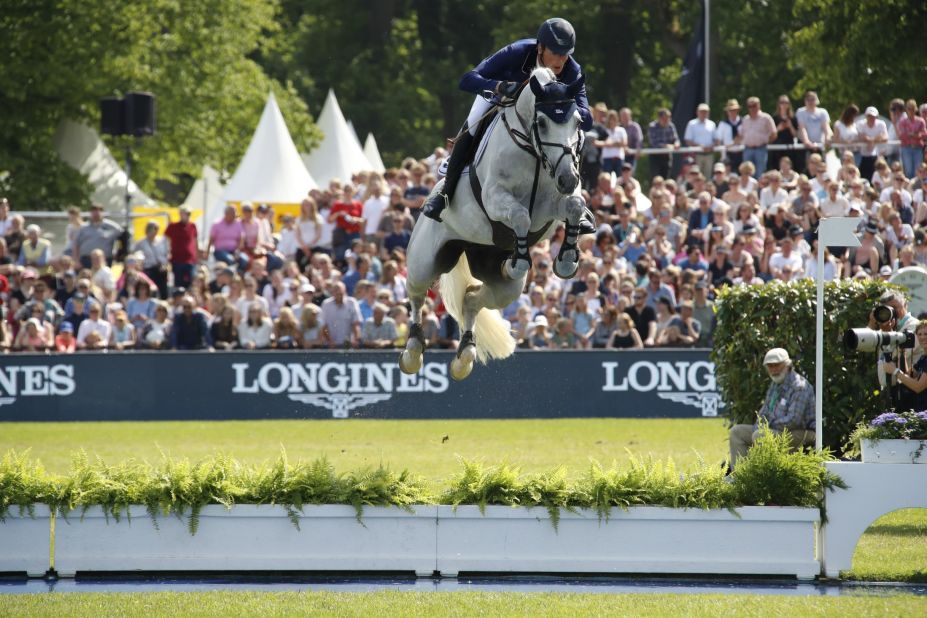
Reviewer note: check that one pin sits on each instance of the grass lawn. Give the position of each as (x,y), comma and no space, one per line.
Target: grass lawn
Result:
(419,446)
(894,549)
(395,603)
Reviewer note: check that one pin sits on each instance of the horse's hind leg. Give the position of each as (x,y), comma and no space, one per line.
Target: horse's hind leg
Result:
(474,301)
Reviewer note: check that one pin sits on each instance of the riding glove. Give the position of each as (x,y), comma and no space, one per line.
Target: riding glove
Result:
(508,89)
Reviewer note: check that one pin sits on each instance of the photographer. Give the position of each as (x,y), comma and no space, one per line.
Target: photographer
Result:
(789,404)
(913,385)
(903,320)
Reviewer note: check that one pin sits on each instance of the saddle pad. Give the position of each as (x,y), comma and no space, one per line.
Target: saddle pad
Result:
(480,150)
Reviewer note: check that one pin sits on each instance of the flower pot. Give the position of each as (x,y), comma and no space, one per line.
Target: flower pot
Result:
(250,538)
(754,540)
(25,541)
(894,451)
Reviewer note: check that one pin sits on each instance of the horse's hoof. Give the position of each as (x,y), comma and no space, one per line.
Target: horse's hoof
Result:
(518,271)
(462,365)
(410,361)
(565,269)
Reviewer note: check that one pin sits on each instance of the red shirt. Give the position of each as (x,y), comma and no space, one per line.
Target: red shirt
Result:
(183,242)
(354,209)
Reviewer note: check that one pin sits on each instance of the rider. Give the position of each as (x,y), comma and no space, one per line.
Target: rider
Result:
(502,74)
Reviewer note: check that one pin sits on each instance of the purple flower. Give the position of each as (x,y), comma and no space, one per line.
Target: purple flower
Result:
(888,418)
(922,415)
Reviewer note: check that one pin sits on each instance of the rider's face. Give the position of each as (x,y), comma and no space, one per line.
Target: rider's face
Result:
(552,61)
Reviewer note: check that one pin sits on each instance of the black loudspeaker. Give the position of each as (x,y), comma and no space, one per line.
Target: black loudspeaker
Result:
(139,113)
(112,116)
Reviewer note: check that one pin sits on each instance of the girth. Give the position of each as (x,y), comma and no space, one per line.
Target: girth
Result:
(502,235)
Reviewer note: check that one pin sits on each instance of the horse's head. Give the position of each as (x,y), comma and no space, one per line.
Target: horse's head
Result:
(554,126)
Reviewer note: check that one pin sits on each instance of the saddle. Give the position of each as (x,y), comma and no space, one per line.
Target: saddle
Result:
(503,236)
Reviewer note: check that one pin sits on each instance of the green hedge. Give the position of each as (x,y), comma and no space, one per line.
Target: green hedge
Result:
(768,474)
(752,319)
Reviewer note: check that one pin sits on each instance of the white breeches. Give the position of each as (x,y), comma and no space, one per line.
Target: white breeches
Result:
(479,108)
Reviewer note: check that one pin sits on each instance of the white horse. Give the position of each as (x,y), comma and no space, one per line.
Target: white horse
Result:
(526,180)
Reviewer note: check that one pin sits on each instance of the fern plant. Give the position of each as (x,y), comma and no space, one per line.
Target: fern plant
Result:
(23,484)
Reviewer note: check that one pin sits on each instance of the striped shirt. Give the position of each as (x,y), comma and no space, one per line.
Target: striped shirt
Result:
(660,135)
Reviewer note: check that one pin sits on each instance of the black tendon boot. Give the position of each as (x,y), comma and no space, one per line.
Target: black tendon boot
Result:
(587,222)
(455,166)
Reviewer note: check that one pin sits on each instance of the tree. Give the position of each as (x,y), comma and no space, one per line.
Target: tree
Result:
(864,51)
(64,55)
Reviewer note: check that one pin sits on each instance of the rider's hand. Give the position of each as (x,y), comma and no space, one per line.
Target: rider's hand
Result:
(507,89)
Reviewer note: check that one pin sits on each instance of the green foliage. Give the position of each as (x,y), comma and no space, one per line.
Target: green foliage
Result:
(753,319)
(61,56)
(771,474)
(868,51)
(182,488)
(23,484)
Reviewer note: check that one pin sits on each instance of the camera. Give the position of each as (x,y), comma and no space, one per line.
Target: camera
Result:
(868,340)
(883,314)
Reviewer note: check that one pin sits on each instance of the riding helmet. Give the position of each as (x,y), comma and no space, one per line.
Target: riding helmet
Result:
(557,35)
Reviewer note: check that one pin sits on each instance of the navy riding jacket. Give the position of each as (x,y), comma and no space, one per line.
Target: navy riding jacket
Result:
(514,63)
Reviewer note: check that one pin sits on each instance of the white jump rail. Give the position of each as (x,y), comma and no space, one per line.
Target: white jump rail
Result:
(250,538)
(657,540)
(25,541)
(874,490)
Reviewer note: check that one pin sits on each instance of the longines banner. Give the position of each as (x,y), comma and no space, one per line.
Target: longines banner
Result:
(257,385)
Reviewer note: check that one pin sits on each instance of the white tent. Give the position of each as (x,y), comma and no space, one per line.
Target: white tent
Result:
(354,133)
(81,147)
(206,196)
(340,154)
(373,154)
(271,170)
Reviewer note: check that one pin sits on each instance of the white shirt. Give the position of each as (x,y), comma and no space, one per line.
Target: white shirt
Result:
(886,195)
(778,261)
(307,230)
(288,245)
(877,129)
(104,279)
(243,304)
(814,122)
(90,325)
(839,207)
(701,132)
(617,134)
(724,134)
(768,198)
(373,210)
(811,269)
(844,134)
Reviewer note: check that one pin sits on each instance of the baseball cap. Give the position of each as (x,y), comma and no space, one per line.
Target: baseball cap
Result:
(703,106)
(96,207)
(247,206)
(872,111)
(539,321)
(688,161)
(178,292)
(719,167)
(686,304)
(749,229)
(627,166)
(30,273)
(307,288)
(872,227)
(263,207)
(885,270)
(67,327)
(776,355)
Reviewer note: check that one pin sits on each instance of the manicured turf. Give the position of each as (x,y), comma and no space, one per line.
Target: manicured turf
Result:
(419,604)
(419,446)
(895,549)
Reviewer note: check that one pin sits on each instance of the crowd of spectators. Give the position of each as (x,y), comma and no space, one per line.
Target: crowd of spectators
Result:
(334,276)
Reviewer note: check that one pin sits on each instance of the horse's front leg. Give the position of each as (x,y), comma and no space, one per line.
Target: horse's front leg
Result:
(567,261)
(513,214)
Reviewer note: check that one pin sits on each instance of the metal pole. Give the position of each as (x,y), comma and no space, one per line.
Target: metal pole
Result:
(819,352)
(707,47)
(128,197)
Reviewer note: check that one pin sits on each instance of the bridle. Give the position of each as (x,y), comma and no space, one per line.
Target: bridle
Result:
(529,138)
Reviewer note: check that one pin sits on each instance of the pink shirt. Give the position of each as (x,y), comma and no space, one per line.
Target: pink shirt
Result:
(755,131)
(226,236)
(912,131)
(252,230)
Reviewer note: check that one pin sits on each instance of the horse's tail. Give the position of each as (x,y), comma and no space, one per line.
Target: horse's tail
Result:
(492,333)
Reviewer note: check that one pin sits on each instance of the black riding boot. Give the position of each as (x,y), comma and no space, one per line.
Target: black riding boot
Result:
(455,166)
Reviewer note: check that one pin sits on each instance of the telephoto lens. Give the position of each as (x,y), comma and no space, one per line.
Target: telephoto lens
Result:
(883,314)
